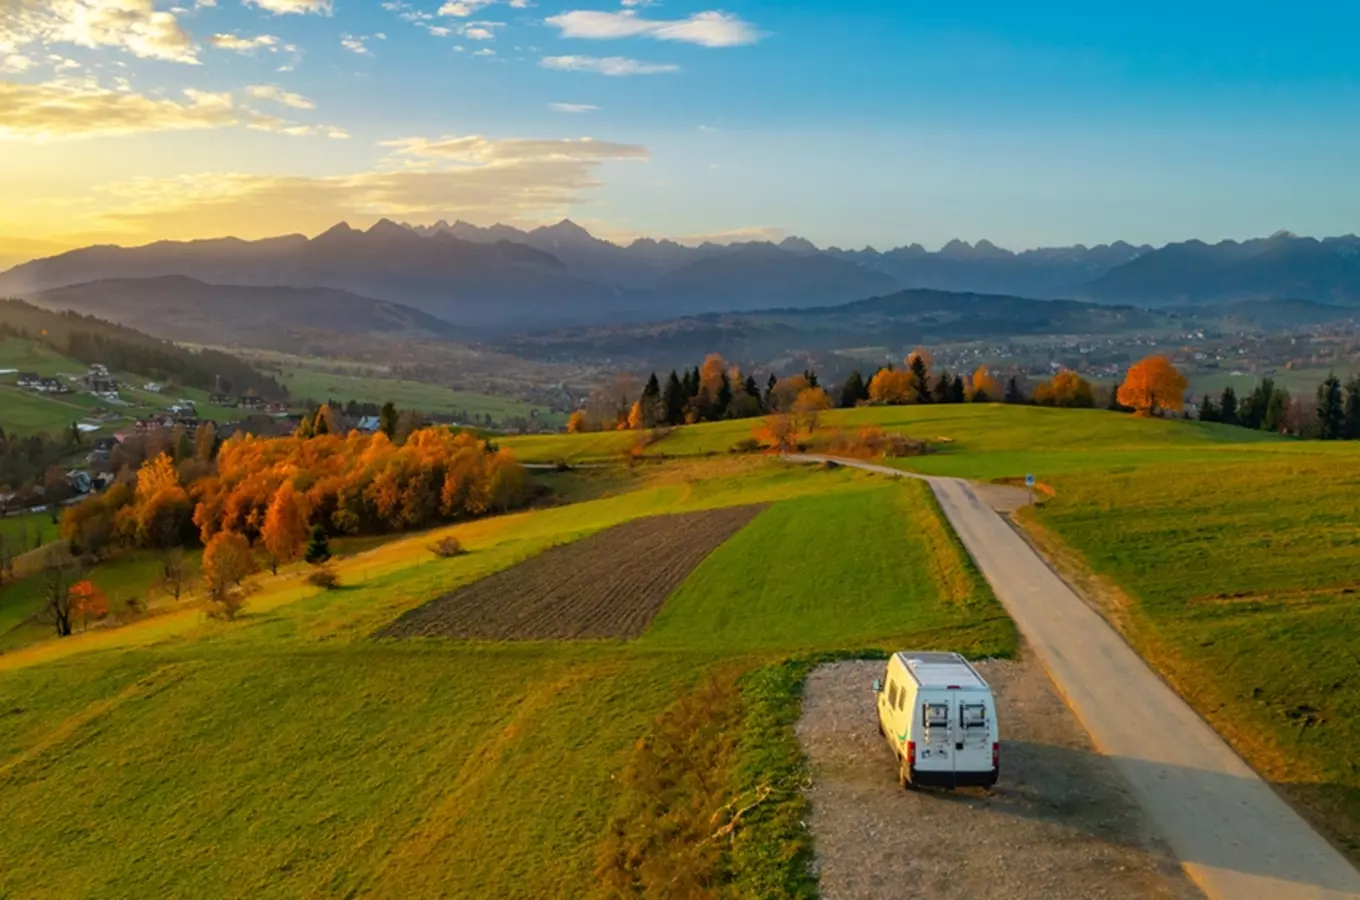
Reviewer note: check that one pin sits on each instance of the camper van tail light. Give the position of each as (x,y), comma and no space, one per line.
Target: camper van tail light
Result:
(911,753)
(996,756)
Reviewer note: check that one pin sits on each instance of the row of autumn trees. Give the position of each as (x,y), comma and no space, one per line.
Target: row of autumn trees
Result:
(719,390)
(272,494)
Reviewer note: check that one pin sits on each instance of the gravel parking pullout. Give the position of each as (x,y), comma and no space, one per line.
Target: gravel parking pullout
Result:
(1060,824)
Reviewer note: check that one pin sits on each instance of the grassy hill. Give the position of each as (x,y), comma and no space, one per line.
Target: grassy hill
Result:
(291,753)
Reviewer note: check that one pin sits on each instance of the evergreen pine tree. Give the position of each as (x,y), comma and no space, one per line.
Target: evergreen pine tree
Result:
(695,382)
(1252,414)
(1276,407)
(1227,407)
(652,391)
(920,376)
(1351,415)
(850,391)
(387,420)
(957,394)
(673,400)
(943,391)
(1207,411)
(811,377)
(319,548)
(751,388)
(769,390)
(1331,409)
(723,401)
(1013,393)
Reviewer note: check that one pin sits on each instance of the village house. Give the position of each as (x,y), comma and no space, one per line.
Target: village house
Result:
(28,379)
(99,381)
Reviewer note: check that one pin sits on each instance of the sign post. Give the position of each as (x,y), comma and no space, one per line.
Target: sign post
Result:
(1029,483)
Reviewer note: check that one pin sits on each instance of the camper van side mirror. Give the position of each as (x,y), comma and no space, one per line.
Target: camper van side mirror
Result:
(878,686)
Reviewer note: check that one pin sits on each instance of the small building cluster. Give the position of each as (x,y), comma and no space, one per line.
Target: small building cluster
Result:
(40,384)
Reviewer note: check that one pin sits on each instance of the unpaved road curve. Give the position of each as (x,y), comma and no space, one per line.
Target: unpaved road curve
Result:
(1234,835)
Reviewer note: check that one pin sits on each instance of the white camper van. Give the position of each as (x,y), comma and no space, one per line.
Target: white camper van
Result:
(940,720)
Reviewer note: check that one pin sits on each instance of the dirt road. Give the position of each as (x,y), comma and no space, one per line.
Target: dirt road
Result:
(1061,825)
(1234,835)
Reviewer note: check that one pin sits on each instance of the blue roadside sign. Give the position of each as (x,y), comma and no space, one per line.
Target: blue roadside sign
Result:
(1029,481)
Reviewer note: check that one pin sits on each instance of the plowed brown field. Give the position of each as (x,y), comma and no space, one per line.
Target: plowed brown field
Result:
(608,585)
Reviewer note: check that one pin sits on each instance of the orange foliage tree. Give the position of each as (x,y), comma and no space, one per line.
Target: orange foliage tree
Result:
(88,602)
(161,509)
(577,422)
(285,526)
(808,407)
(892,387)
(1153,385)
(227,561)
(983,388)
(360,483)
(1067,388)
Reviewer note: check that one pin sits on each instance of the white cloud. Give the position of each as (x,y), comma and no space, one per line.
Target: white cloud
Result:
(608,65)
(485,51)
(355,44)
(520,4)
(439,30)
(478,33)
(294,7)
(61,110)
(239,44)
(134,26)
(279,95)
(17,63)
(708,129)
(478,150)
(707,29)
(461,9)
(573,107)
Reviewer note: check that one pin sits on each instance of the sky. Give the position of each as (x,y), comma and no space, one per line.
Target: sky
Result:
(850,123)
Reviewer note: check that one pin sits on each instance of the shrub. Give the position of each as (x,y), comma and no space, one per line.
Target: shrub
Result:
(447,547)
(325,579)
(746,445)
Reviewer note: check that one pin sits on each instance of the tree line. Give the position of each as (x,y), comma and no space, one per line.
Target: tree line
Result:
(1331,414)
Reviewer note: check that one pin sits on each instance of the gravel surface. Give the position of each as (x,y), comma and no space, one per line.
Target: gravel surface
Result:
(1061,822)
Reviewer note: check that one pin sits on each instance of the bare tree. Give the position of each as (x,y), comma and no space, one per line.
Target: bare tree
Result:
(60,572)
(174,573)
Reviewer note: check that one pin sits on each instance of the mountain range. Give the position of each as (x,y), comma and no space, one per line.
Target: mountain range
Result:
(502,279)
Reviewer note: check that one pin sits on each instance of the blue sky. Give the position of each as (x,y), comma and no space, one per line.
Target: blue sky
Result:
(853,123)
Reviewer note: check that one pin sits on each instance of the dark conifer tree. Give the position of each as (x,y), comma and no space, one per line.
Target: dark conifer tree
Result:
(673,400)
(695,382)
(957,394)
(811,377)
(1351,416)
(723,402)
(1331,410)
(851,390)
(944,389)
(1013,392)
(387,420)
(1227,406)
(653,389)
(1207,411)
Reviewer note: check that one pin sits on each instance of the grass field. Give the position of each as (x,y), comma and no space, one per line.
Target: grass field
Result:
(291,754)
(311,383)
(1239,582)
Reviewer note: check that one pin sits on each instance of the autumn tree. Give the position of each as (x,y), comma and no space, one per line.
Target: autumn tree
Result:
(87,602)
(577,422)
(285,526)
(809,406)
(227,561)
(891,387)
(784,393)
(1153,386)
(324,421)
(983,388)
(1067,388)
(56,488)
(205,442)
(780,431)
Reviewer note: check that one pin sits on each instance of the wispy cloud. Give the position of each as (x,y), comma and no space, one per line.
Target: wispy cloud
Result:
(16,63)
(485,51)
(607,65)
(279,95)
(277,125)
(239,44)
(573,107)
(64,110)
(461,9)
(707,29)
(474,178)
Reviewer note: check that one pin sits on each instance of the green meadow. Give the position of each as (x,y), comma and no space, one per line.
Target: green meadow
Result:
(289,753)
